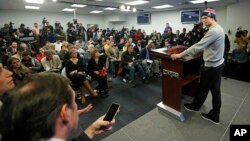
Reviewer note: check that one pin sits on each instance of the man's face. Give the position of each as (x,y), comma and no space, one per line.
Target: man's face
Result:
(6,80)
(207,21)
(20,52)
(130,49)
(27,57)
(14,45)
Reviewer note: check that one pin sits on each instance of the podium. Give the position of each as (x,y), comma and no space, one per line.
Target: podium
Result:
(178,77)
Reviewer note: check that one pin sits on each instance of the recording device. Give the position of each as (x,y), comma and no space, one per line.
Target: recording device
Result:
(110,115)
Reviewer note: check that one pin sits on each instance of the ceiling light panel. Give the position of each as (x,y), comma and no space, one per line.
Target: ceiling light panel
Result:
(163,6)
(68,9)
(137,2)
(109,8)
(78,5)
(202,1)
(125,10)
(95,11)
(32,7)
(35,1)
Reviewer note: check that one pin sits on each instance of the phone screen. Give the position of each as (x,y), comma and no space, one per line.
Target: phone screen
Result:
(111,112)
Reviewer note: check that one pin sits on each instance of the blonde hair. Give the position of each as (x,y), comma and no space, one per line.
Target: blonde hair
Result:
(92,53)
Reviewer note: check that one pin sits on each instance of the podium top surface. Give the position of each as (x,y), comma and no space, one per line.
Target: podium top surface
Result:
(164,54)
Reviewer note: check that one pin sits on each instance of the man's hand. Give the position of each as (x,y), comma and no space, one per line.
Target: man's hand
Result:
(95,128)
(175,56)
(85,110)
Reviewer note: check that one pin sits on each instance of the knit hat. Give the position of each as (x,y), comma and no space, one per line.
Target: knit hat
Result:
(209,13)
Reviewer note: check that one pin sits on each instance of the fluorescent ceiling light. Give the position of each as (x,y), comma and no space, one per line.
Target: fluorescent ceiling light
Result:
(98,0)
(122,7)
(95,11)
(32,7)
(68,9)
(54,0)
(78,5)
(109,8)
(134,9)
(201,1)
(35,1)
(125,10)
(137,2)
(162,6)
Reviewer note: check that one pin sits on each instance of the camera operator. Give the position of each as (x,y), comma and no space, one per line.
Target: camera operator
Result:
(71,33)
(59,31)
(241,39)
(5,33)
(50,27)
(36,29)
(198,32)
(81,31)
(57,28)
(3,54)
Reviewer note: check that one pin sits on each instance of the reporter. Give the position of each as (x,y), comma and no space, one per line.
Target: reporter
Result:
(44,108)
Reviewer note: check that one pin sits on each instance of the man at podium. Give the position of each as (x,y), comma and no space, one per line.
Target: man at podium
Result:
(212,45)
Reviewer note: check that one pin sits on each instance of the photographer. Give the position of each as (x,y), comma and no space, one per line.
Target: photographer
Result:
(5,33)
(241,39)
(36,29)
(71,33)
(81,31)
(50,27)
(3,54)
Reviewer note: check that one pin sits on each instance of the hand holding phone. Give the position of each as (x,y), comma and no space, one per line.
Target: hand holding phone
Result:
(113,109)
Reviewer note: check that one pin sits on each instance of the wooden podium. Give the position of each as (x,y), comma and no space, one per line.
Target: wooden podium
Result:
(178,77)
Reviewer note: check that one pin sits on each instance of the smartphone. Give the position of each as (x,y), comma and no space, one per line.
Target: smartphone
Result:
(111,112)
(110,115)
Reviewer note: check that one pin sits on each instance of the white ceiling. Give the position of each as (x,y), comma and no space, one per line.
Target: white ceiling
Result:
(50,6)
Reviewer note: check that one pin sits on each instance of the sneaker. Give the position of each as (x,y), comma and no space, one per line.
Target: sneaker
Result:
(124,80)
(191,108)
(210,118)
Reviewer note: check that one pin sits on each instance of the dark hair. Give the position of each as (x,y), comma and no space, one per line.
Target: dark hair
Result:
(30,110)
(20,48)
(26,53)
(239,33)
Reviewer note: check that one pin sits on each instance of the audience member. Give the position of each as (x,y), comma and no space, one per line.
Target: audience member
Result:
(31,63)
(148,60)
(97,70)
(40,55)
(19,53)
(51,62)
(129,62)
(44,108)
(20,72)
(12,50)
(76,73)
(113,58)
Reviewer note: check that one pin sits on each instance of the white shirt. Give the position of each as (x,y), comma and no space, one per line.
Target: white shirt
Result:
(58,46)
